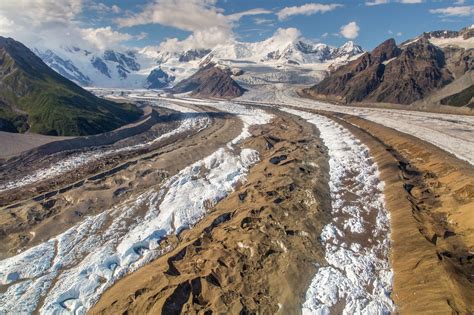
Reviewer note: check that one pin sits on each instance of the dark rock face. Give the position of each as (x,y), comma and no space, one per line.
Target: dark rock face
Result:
(418,70)
(127,61)
(193,54)
(122,71)
(158,79)
(210,81)
(459,61)
(390,74)
(385,51)
(100,65)
(110,56)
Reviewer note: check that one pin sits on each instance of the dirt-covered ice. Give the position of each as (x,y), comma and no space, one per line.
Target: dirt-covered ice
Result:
(68,273)
(452,133)
(189,121)
(357,278)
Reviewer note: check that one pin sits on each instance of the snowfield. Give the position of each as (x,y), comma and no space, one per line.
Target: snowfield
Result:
(68,273)
(358,276)
(452,133)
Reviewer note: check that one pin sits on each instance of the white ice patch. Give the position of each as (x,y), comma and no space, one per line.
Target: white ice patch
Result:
(358,277)
(249,115)
(73,269)
(189,121)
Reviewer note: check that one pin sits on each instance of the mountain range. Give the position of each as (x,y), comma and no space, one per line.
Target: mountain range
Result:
(156,69)
(435,67)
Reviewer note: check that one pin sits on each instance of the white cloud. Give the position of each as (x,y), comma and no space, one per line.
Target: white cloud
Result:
(284,35)
(39,12)
(263,21)
(378,2)
(207,23)
(350,30)
(103,8)
(187,15)
(398,33)
(104,37)
(200,39)
(239,15)
(306,9)
(6,25)
(141,36)
(455,11)
(53,23)
(459,2)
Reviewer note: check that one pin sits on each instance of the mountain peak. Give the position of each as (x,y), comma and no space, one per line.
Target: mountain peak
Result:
(212,81)
(385,51)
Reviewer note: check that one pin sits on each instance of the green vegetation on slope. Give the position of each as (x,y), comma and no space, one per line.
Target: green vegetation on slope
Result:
(463,98)
(34,97)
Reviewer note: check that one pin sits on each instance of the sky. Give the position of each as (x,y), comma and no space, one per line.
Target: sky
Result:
(188,24)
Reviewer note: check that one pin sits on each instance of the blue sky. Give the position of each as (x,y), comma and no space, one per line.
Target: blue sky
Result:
(190,23)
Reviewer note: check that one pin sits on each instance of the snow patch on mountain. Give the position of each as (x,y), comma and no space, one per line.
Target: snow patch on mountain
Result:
(155,68)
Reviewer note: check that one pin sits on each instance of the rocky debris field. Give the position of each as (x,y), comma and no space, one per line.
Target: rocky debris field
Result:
(261,205)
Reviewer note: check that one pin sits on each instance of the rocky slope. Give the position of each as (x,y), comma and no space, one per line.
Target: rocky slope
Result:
(211,81)
(254,251)
(108,68)
(158,79)
(400,74)
(33,97)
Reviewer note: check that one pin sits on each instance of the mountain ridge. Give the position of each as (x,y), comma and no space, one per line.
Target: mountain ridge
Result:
(35,98)
(132,69)
(210,81)
(401,74)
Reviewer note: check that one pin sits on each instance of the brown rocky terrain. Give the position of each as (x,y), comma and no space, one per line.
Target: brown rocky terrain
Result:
(36,212)
(432,227)
(237,259)
(397,74)
(256,250)
(210,81)
(430,196)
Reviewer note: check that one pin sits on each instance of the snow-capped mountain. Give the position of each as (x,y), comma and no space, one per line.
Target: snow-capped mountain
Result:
(64,67)
(181,56)
(444,38)
(270,54)
(109,68)
(275,51)
(153,68)
(158,79)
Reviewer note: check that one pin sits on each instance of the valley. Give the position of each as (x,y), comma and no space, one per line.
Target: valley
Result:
(209,157)
(154,193)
